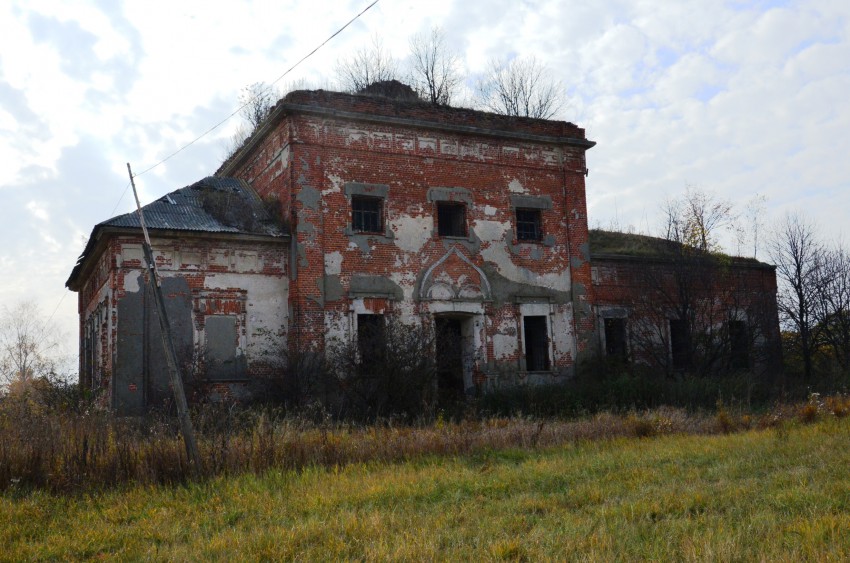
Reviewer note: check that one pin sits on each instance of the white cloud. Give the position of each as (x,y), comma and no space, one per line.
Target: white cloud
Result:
(739,98)
(38,210)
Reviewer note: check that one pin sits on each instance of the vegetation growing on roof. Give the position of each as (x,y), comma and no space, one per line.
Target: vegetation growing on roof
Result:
(635,245)
(628,244)
(232,207)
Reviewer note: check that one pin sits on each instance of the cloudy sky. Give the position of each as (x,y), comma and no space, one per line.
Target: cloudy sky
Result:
(739,98)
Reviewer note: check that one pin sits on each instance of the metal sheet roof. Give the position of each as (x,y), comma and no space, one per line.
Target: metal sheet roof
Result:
(212,205)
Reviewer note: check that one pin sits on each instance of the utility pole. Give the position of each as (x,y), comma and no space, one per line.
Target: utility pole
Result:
(175,377)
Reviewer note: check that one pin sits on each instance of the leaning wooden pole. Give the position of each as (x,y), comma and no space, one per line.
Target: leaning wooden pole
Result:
(168,344)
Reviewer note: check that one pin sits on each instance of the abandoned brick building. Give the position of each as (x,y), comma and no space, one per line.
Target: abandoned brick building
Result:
(343,209)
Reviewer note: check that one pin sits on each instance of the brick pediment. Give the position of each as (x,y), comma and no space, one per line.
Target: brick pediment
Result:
(454,278)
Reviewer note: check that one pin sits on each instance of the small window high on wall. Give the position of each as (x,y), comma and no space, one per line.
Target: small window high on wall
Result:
(536,343)
(451,219)
(367,214)
(528,224)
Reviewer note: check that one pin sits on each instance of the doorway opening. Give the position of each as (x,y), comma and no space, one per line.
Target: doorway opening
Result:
(453,339)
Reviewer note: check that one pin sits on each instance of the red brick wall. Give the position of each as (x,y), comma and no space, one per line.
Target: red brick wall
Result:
(411,149)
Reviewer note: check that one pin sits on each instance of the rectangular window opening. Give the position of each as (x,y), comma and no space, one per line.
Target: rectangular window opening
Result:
(366,214)
(679,344)
(528,224)
(451,219)
(615,338)
(370,339)
(739,345)
(536,343)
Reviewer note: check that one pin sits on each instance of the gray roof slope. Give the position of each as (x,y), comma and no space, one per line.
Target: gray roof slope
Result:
(212,205)
(188,209)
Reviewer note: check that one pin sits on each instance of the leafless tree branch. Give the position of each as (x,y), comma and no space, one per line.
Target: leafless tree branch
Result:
(366,66)
(435,69)
(520,87)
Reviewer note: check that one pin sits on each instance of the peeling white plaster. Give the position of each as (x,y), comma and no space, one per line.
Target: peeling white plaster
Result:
(406,280)
(133,281)
(355,135)
(563,342)
(504,346)
(498,254)
(491,231)
(283,158)
(411,233)
(268,299)
(335,183)
(489,210)
(337,327)
(515,187)
(333,263)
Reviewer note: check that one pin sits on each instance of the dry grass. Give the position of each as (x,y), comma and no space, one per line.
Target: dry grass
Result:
(64,452)
(775,494)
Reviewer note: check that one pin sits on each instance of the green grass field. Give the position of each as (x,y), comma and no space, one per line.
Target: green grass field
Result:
(777,494)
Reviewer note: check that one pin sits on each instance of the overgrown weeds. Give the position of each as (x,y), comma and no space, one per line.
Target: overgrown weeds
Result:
(67,450)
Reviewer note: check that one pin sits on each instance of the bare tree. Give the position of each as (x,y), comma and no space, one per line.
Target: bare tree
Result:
(366,66)
(798,255)
(832,305)
(755,216)
(257,101)
(435,69)
(696,218)
(697,309)
(28,346)
(520,87)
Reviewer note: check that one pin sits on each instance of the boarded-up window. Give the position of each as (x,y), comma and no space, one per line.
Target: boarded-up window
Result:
(536,343)
(221,348)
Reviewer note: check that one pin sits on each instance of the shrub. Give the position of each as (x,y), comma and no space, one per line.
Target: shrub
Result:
(392,374)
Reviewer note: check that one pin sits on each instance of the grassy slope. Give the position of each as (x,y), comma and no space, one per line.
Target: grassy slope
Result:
(779,494)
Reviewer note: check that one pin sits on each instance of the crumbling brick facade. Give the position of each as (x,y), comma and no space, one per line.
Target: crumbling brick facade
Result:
(682,311)
(468,222)
(225,292)
(418,168)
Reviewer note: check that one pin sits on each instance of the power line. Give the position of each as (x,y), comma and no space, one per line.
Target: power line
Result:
(50,318)
(278,79)
(222,122)
(127,187)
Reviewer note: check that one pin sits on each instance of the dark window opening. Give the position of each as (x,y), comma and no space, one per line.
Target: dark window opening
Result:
(370,339)
(536,343)
(366,216)
(451,219)
(528,224)
(615,338)
(739,345)
(679,344)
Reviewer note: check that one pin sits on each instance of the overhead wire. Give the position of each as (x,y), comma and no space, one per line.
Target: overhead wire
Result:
(222,122)
(250,100)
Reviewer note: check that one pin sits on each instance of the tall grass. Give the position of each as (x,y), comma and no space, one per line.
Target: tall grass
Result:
(64,451)
(779,494)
